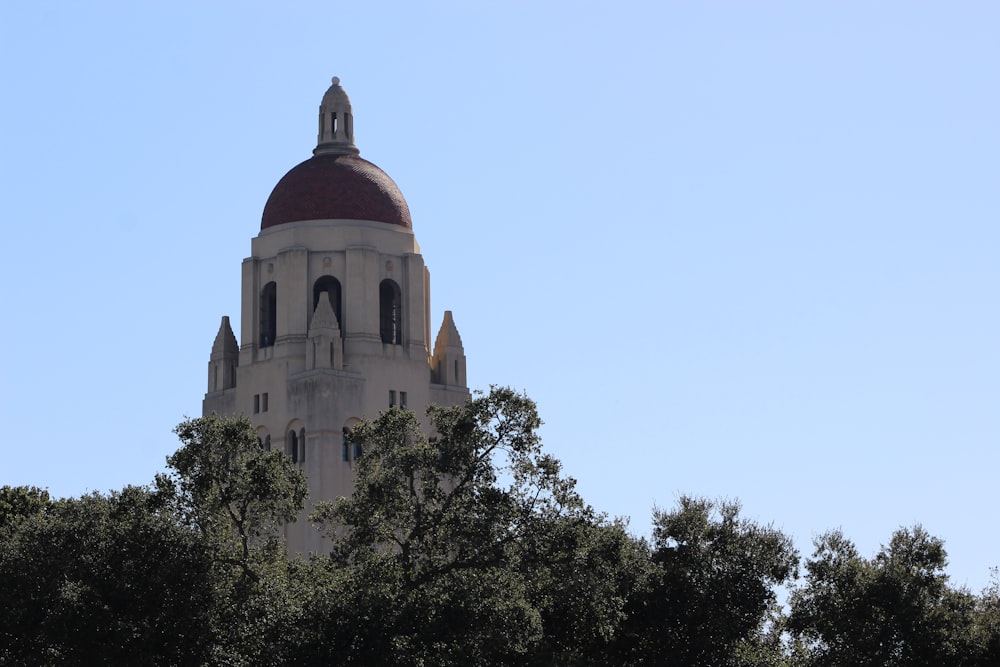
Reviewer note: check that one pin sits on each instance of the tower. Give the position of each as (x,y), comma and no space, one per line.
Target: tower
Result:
(335,317)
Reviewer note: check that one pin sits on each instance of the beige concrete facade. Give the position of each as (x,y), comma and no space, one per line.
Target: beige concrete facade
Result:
(335,328)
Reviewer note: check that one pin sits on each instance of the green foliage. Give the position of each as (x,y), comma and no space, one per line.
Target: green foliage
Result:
(710,599)
(986,631)
(184,574)
(103,580)
(894,610)
(22,502)
(581,573)
(471,547)
(236,495)
(224,483)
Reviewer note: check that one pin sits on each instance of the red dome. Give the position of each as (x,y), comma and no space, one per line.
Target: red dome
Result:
(332,186)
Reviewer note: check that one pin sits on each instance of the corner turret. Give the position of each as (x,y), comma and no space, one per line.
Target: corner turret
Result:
(224,359)
(448,363)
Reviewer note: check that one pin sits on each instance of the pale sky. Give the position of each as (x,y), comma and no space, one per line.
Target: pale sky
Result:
(742,250)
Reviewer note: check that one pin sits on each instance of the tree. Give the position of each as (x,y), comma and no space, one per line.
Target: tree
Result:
(986,632)
(236,495)
(21,502)
(186,573)
(581,575)
(464,548)
(710,598)
(102,580)
(232,490)
(896,609)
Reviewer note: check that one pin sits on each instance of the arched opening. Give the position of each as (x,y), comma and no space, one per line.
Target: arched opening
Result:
(268,314)
(331,286)
(390,312)
(346,444)
(293,446)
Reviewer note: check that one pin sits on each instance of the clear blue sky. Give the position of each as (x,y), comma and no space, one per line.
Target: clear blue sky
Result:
(731,251)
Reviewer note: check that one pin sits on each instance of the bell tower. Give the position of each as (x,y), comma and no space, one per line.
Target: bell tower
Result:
(335,317)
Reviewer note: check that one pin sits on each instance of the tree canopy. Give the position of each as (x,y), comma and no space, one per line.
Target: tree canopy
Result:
(470,546)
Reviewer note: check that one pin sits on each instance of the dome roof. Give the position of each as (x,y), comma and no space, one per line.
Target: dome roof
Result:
(336,186)
(335,183)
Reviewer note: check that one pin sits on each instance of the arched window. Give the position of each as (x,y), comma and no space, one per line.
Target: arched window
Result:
(390,312)
(293,446)
(331,286)
(346,444)
(268,314)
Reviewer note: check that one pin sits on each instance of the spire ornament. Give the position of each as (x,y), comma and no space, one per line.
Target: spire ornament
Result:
(336,123)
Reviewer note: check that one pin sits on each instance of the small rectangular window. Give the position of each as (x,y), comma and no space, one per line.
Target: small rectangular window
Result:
(263,402)
(256,403)
(357,451)
(402,399)
(392,398)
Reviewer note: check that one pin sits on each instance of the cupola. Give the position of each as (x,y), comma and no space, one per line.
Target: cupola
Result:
(336,124)
(336,183)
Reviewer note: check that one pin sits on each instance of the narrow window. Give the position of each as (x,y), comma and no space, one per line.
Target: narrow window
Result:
(331,286)
(256,403)
(357,451)
(348,129)
(268,314)
(263,402)
(333,124)
(345,450)
(402,399)
(293,446)
(302,445)
(456,373)
(267,442)
(390,313)
(392,398)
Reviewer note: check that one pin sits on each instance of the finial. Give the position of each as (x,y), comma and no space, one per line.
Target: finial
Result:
(335,80)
